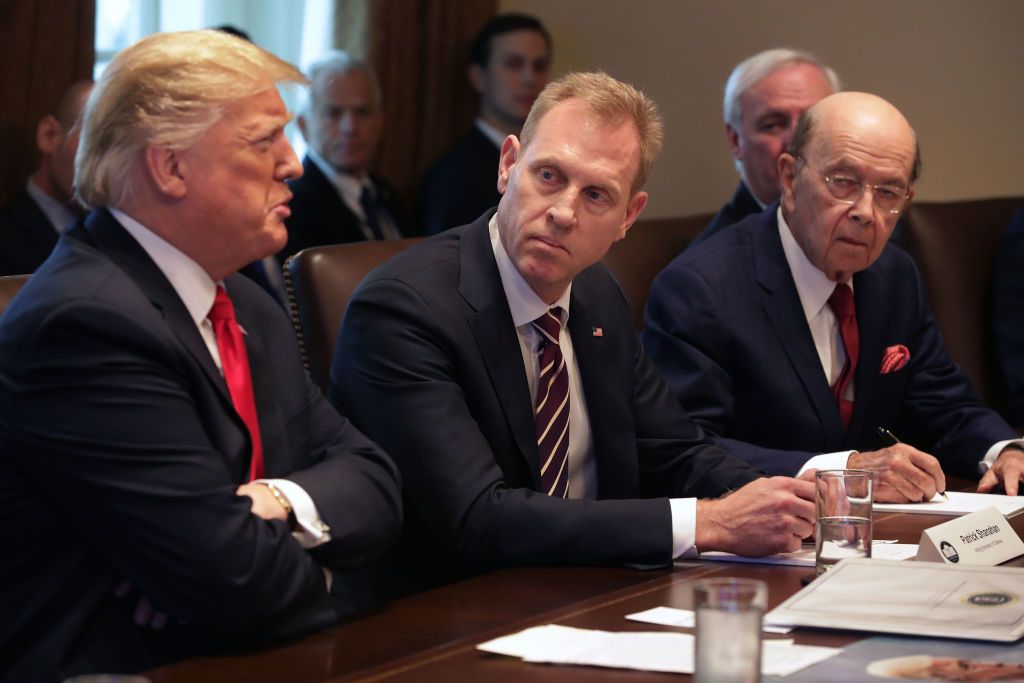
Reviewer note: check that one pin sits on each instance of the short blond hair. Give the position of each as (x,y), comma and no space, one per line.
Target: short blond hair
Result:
(613,101)
(167,89)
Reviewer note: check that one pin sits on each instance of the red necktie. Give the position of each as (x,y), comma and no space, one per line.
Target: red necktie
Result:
(842,305)
(551,409)
(235,362)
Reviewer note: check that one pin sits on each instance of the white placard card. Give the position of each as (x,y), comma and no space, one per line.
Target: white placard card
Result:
(980,538)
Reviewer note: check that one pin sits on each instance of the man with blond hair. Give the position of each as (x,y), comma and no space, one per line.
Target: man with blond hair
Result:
(172,481)
(498,364)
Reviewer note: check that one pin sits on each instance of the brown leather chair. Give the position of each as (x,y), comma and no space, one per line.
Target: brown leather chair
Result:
(320,282)
(955,245)
(9,286)
(646,250)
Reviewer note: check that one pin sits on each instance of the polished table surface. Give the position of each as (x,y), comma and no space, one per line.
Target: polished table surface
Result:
(432,636)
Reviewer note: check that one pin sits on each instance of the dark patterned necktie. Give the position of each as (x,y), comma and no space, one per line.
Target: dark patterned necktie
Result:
(235,362)
(551,409)
(842,305)
(369,203)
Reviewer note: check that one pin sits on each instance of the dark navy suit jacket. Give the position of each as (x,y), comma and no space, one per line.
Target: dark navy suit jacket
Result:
(725,325)
(1008,314)
(321,217)
(741,205)
(26,236)
(428,364)
(120,454)
(461,185)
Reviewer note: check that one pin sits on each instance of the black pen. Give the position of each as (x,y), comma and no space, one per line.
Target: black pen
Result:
(889,435)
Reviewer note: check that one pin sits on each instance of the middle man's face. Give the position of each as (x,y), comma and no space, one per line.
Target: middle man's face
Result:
(345,121)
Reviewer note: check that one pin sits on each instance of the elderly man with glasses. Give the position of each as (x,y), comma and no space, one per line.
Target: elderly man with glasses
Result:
(798,340)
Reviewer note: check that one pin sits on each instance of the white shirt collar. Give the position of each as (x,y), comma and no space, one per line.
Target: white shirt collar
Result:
(350,187)
(491,133)
(194,286)
(813,287)
(59,215)
(523,302)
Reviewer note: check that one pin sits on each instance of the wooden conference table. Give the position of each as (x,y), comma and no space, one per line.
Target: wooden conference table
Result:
(431,636)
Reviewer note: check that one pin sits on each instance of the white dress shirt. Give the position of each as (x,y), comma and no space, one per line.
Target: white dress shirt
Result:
(197,290)
(526,307)
(814,290)
(351,190)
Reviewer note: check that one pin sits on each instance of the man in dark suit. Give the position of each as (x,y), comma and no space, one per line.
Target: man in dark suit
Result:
(31,223)
(171,481)
(509,62)
(764,96)
(337,199)
(797,334)
(445,348)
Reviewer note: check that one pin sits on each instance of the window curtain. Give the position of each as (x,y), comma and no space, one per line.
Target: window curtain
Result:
(48,45)
(419,49)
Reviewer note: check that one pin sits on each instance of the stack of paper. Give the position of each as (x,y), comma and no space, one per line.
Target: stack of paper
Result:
(643,651)
(955,503)
(805,556)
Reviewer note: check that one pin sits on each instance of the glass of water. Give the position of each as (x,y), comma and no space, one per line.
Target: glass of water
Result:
(843,499)
(729,615)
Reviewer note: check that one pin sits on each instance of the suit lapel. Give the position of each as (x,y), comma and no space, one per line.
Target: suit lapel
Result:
(36,227)
(268,410)
(781,305)
(869,298)
(337,224)
(495,334)
(114,240)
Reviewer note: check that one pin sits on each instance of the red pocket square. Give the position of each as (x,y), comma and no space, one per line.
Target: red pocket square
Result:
(894,358)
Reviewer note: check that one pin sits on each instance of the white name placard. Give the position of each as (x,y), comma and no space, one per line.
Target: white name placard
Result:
(983,538)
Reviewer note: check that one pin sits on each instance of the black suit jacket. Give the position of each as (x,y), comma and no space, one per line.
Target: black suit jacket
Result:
(1008,314)
(736,209)
(461,185)
(725,324)
(320,216)
(428,363)
(26,236)
(121,453)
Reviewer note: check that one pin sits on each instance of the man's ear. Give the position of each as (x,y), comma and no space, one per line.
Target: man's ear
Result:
(733,136)
(477,77)
(509,157)
(636,204)
(787,164)
(301,120)
(167,170)
(49,134)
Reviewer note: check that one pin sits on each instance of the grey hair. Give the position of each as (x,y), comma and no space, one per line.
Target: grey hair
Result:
(753,69)
(336,63)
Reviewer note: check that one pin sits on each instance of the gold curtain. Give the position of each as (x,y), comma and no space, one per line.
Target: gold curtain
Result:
(48,45)
(419,49)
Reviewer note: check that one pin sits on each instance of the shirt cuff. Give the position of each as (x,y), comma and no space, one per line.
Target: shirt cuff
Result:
(993,453)
(827,461)
(311,531)
(684,527)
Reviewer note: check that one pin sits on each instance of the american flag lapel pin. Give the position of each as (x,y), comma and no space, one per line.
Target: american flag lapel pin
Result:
(597,331)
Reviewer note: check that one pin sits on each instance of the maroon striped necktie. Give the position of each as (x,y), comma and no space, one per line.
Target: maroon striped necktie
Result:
(551,409)
(842,305)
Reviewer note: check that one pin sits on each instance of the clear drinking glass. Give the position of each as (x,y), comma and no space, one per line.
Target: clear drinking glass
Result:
(729,616)
(843,499)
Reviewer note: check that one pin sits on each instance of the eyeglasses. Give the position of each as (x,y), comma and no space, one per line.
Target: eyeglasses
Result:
(847,189)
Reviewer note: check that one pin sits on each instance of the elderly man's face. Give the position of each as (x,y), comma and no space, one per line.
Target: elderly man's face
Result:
(769,111)
(236,177)
(567,196)
(345,121)
(515,74)
(863,138)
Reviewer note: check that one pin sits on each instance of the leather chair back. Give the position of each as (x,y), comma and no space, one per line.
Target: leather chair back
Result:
(320,282)
(648,247)
(955,245)
(9,286)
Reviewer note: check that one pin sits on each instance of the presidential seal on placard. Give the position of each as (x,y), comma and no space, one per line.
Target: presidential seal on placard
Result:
(990,599)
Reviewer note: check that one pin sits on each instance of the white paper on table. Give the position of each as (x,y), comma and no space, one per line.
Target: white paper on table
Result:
(684,618)
(642,651)
(805,556)
(959,503)
(918,598)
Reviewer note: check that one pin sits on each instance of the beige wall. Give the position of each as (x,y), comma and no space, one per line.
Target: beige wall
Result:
(954,67)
